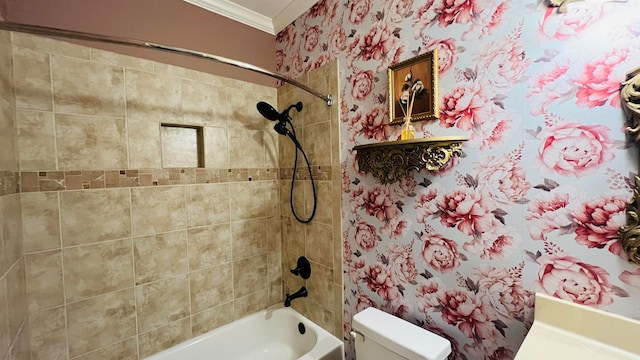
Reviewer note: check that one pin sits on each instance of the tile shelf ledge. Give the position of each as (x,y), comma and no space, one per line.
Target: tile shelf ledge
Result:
(391,161)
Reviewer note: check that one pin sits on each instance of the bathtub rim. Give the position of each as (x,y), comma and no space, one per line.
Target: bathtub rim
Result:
(326,343)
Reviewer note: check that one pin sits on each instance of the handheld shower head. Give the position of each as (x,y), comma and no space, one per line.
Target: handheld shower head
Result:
(268,111)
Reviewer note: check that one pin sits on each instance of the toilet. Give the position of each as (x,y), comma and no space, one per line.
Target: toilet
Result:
(379,335)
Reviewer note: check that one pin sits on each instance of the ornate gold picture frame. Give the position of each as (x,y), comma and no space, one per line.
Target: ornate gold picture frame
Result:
(416,79)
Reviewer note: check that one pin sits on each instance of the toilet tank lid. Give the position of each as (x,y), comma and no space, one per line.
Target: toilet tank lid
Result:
(400,336)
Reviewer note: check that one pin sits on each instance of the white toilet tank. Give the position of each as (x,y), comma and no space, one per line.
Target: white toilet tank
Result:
(379,335)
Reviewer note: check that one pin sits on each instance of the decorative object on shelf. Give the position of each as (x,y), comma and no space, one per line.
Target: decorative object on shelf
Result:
(408,131)
(303,268)
(630,232)
(393,160)
(413,89)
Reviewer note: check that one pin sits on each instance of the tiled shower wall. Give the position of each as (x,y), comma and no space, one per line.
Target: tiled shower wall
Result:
(14,333)
(121,257)
(320,240)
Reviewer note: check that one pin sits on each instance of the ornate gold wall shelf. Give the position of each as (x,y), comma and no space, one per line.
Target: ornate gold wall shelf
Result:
(630,232)
(391,161)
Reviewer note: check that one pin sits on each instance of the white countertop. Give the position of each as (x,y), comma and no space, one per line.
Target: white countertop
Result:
(563,330)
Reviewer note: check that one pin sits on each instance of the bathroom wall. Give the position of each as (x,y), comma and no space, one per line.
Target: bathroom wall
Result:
(320,240)
(534,203)
(174,23)
(14,329)
(122,257)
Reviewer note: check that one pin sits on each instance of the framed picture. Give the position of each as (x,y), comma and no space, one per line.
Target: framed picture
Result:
(413,86)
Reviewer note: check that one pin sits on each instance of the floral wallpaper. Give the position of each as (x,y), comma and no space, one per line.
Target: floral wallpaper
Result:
(534,203)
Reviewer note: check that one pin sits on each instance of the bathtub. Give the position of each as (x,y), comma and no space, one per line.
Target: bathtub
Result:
(271,334)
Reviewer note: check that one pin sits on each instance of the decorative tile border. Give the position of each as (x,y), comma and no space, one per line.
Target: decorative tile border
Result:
(34,181)
(318,172)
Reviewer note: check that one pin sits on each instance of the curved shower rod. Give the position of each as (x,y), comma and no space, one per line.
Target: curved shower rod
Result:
(70,34)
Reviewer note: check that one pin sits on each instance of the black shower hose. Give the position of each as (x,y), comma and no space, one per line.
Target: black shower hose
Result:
(293,179)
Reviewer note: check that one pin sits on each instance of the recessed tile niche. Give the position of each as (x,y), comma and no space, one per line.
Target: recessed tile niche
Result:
(182,146)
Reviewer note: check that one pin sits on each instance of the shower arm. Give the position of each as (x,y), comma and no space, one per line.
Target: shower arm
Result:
(70,34)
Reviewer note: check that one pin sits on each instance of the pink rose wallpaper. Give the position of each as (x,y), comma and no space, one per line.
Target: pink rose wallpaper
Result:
(536,199)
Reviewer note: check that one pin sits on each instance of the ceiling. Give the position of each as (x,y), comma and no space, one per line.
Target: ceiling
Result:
(270,16)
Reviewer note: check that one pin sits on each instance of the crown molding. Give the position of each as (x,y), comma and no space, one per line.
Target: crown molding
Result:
(290,13)
(251,18)
(237,13)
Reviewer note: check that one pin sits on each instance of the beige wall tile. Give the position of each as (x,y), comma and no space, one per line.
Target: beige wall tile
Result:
(16,298)
(301,187)
(48,331)
(319,245)
(216,148)
(43,272)
(207,204)
(320,315)
(6,63)
(86,87)
(90,143)
(5,336)
(338,329)
(249,275)
(211,287)
(317,143)
(3,266)
(181,72)
(320,286)
(95,269)
(126,349)
(243,113)
(95,215)
(36,140)
(100,321)
(274,260)
(153,97)
(130,62)
(271,193)
(246,148)
(162,302)
(158,209)
(324,207)
(20,349)
(249,238)
(248,199)
(164,337)
(32,79)
(209,246)
(287,150)
(160,256)
(11,212)
(8,155)
(212,318)
(293,235)
(144,144)
(45,44)
(271,147)
(250,304)
(204,104)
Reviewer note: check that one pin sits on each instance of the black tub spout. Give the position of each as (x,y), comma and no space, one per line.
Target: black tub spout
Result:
(300,293)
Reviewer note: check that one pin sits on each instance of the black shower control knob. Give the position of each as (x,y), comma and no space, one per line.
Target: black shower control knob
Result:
(303,268)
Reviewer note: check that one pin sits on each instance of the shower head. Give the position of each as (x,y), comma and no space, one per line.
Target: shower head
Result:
(268,111)
(272,114)
(283,118)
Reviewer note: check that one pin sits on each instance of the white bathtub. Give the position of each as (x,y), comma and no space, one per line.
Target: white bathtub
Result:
(270,334)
